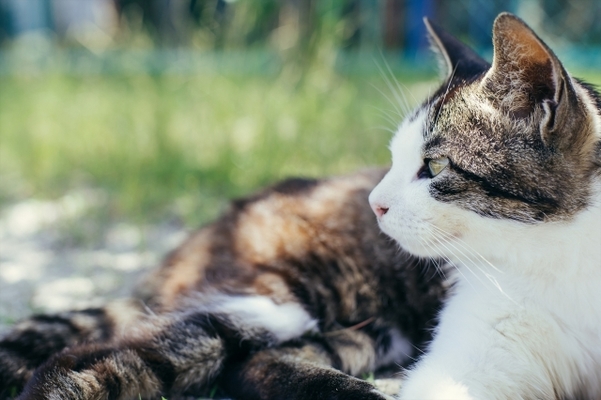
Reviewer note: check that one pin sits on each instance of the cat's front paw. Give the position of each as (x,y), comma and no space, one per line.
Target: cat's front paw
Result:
(436,388)
(373,394)
(349,388)
(380,395)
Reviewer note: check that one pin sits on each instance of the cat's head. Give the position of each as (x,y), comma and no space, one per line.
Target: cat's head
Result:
(502,148)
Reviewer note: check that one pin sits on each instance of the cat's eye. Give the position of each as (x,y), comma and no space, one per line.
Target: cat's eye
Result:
(437,165)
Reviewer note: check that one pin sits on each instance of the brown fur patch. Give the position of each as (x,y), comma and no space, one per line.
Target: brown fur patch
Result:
(315,243)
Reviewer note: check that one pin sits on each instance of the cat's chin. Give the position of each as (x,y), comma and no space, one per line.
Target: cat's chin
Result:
(413,245)
(420,250)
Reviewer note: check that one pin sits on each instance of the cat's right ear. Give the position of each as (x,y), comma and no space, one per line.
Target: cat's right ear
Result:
(458,60)
(527,75)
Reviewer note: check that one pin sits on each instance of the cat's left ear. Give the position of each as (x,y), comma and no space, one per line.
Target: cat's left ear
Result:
(527,75)
(460,61)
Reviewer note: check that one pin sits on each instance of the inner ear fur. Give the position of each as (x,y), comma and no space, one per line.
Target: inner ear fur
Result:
(529,76)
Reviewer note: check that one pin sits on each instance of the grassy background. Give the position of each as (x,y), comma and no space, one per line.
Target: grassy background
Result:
(178,145)
(166,124)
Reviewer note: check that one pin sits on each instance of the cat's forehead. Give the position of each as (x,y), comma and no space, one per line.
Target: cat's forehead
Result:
(501,158)
(467,121)
(459,107)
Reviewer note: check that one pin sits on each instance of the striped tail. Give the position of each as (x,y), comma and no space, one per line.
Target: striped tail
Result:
(174,354)
(33,341)
(164,355)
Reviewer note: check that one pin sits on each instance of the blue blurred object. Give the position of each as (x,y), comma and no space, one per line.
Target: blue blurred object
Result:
(416,40)
(357,31)
(22,16)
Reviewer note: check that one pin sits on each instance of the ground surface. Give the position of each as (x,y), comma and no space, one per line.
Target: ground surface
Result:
(43,269)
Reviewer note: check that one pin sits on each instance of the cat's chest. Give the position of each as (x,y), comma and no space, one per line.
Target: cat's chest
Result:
(559,313)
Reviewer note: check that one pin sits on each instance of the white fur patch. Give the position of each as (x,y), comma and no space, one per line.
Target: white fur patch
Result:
(285,321)
(406,197)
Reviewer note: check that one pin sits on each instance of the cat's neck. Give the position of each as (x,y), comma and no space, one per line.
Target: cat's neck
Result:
(558,269)
(553,251)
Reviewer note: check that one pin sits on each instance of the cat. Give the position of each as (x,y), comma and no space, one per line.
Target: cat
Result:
(494,198)
(499,172)
(288,295)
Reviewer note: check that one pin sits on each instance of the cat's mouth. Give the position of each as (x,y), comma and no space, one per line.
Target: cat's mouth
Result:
(415,237)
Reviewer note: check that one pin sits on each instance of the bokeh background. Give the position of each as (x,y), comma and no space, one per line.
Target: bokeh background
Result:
(125,123)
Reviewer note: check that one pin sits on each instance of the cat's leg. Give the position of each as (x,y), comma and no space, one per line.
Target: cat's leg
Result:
(33,341)
(165,355)
(305,369)
(171,354)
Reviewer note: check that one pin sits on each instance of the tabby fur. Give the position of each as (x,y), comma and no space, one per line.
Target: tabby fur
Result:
(288,295)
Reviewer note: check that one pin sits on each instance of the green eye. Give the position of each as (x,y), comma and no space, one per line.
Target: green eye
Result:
(437,165)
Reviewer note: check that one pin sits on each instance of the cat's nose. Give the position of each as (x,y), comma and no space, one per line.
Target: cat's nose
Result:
(379,210)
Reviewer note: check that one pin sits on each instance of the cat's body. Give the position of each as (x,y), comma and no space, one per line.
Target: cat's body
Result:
(499,172)
(270,301)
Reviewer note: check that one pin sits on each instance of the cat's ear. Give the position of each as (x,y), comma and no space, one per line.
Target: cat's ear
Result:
(457,59)
(528,75)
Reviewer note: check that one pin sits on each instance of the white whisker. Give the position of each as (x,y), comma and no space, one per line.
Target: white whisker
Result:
(382,128)
(441,243)
(387,116)
(467,247)
(488,276)
(435,261)
(404,89)
(398,108)
(394,87)
(398,86)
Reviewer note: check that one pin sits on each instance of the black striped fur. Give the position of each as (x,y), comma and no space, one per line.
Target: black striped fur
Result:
(310,243)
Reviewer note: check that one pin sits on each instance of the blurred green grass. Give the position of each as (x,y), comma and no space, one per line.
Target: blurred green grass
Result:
(180,145)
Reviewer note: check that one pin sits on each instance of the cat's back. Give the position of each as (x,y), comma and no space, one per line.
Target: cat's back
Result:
(264,242)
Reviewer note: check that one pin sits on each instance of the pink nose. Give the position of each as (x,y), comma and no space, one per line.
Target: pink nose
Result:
(379,210)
